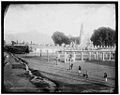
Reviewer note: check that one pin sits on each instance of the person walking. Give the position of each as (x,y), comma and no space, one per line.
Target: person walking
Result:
(79,70)
(86,75)
(56,60)
(105,76)
(71,66)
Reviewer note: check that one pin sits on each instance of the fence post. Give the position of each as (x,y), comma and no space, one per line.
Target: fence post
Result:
(35,52)
(89,55)
(58,55)
(103,56)
(40,53)
(73,56)
(109,56)
(100,55)
(48,55)
(65,58)
(82,56)
(97,55)
(106,55)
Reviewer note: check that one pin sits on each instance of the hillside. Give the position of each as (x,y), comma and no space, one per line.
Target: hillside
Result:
(35,37)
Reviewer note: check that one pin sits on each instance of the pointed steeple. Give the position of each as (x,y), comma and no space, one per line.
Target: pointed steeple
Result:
(81,30)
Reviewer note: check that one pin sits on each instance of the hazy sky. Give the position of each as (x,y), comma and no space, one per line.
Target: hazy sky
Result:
(66,18)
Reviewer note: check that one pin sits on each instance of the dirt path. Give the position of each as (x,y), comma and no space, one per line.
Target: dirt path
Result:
(61,70)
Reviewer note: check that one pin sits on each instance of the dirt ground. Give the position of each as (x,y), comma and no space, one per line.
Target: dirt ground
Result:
(60,73)
(94,70)
(68,81)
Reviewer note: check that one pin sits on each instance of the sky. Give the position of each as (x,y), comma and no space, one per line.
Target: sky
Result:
(66,18)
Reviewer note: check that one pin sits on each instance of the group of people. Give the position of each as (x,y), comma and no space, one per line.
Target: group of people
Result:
(86,74)
(79,68)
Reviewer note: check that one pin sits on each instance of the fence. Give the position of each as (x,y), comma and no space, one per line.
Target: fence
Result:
(104,54)
(77,55)
(44,53)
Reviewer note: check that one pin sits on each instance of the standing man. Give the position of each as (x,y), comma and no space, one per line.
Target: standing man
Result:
(86,75)
(56,60)
(71,66)
(79,70)
(105,76)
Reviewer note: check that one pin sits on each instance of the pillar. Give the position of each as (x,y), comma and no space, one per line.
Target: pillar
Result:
(74,56)
(40,53)
(97,55)
(89,55)
(65,57)
(94,55)
(103,56)
(109,56)
(100,55)
(82,56)
(48,55)
(106,55)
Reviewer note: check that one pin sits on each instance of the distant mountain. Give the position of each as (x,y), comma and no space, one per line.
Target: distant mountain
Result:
(35,37)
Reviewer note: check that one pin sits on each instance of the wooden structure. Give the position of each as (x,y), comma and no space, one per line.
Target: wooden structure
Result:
(80,55)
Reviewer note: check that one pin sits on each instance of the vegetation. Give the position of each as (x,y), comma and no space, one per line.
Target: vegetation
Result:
(17,49)
(60,38)
(104,36)
(13,43)
(74,39)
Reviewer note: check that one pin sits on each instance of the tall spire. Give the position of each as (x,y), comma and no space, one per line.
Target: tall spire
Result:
(81,30)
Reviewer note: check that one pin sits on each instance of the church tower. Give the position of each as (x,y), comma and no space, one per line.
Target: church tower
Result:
(81,30)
